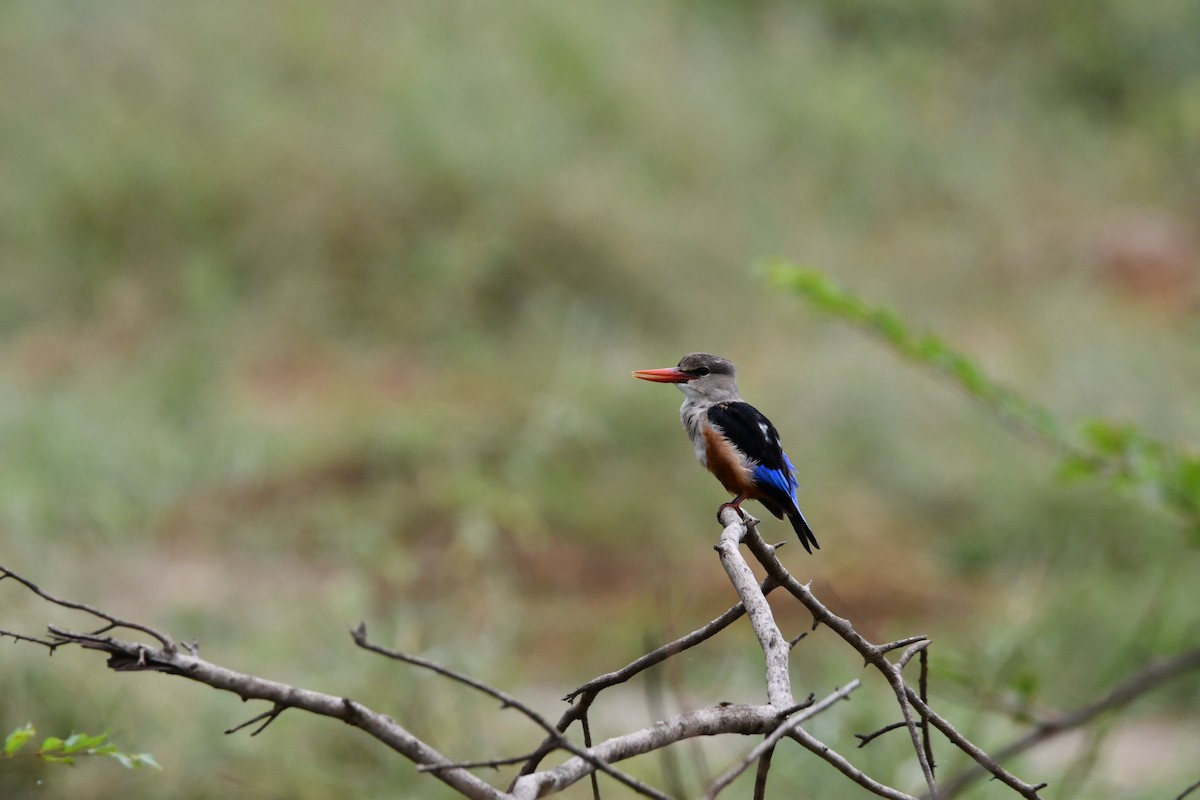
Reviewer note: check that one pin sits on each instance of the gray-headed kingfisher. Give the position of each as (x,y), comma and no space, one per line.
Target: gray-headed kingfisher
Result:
(733,439)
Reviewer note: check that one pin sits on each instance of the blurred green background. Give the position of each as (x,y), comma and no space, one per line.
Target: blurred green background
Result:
(312,314)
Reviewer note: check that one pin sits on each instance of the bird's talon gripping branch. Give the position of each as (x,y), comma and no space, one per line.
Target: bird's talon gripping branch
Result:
(734,440)
(724,506)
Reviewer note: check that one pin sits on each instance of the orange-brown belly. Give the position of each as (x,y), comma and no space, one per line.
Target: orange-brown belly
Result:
(724,462)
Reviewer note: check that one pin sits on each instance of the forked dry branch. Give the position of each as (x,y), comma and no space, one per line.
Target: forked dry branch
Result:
(780,717)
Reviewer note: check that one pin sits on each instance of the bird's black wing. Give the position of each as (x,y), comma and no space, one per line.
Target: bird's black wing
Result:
(753,434)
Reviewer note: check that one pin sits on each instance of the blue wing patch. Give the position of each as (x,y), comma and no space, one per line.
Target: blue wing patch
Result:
(783,481)
(791,469)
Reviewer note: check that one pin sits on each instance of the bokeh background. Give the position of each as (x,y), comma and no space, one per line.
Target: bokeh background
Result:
(317,313)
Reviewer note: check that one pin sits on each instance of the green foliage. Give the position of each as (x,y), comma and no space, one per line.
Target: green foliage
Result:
(1102,448)
(55,750)
(17,739)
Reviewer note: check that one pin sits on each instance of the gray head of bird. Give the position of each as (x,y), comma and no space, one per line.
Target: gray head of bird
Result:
(700,376)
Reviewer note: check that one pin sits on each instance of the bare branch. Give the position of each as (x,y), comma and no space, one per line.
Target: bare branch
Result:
(710,721)
(768,744)
(1188,790)
(760,775)
(920,646)
(134,656)
(775,648)
(20,637)
(1027,790)
(113,623)
(490,763)
(360,639)
(595,685)
(865,739)
(923,693)
(1141,682)
(839,762)
(582,697)
(896,645)
(872,654)
(267,717)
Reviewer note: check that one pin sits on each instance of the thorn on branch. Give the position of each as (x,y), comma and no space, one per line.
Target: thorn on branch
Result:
(796,640)
(351,710)
(787,712)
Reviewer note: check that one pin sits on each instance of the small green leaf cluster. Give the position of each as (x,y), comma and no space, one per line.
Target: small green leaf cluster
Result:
(1096,448)
(64,751)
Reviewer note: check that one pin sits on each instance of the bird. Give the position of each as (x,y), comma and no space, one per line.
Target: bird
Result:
(733,439)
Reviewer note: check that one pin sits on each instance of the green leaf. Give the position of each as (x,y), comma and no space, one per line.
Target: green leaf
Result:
(1077,465)
(51,744)
(1118,452)
(1109,438)
(68,760)
(135,760)
(17,739)
(81,741)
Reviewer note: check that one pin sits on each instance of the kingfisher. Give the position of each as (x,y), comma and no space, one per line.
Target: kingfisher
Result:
(733,439)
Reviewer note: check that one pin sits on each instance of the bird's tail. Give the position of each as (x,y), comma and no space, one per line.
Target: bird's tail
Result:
(800,525)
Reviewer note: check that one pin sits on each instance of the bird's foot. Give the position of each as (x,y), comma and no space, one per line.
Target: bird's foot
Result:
(736,507)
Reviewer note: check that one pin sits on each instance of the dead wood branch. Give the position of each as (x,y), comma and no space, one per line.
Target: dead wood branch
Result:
(1141,682)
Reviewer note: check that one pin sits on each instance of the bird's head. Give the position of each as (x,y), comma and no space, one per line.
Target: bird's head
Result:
(700,376)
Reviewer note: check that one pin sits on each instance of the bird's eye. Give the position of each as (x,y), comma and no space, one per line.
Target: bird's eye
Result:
(700,372)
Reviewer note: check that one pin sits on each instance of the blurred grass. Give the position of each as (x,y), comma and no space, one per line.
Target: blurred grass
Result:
(313,315)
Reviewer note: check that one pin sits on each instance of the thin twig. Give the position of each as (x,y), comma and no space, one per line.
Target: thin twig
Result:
(726,718)
(872,654)
(760,774)
(784,729)
(923,692)
(113,622)
(1188,790)
(1128,690)
(267,718)
(490,763)
(865,739)
(586,725)
(920,646)
(1026,790)
(128,655)
(661,654)
(839,762)
(672,776)
(509,701)
(20,637)
(896,645)
(582,697)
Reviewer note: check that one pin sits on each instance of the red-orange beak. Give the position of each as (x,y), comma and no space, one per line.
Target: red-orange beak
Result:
(667,375)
